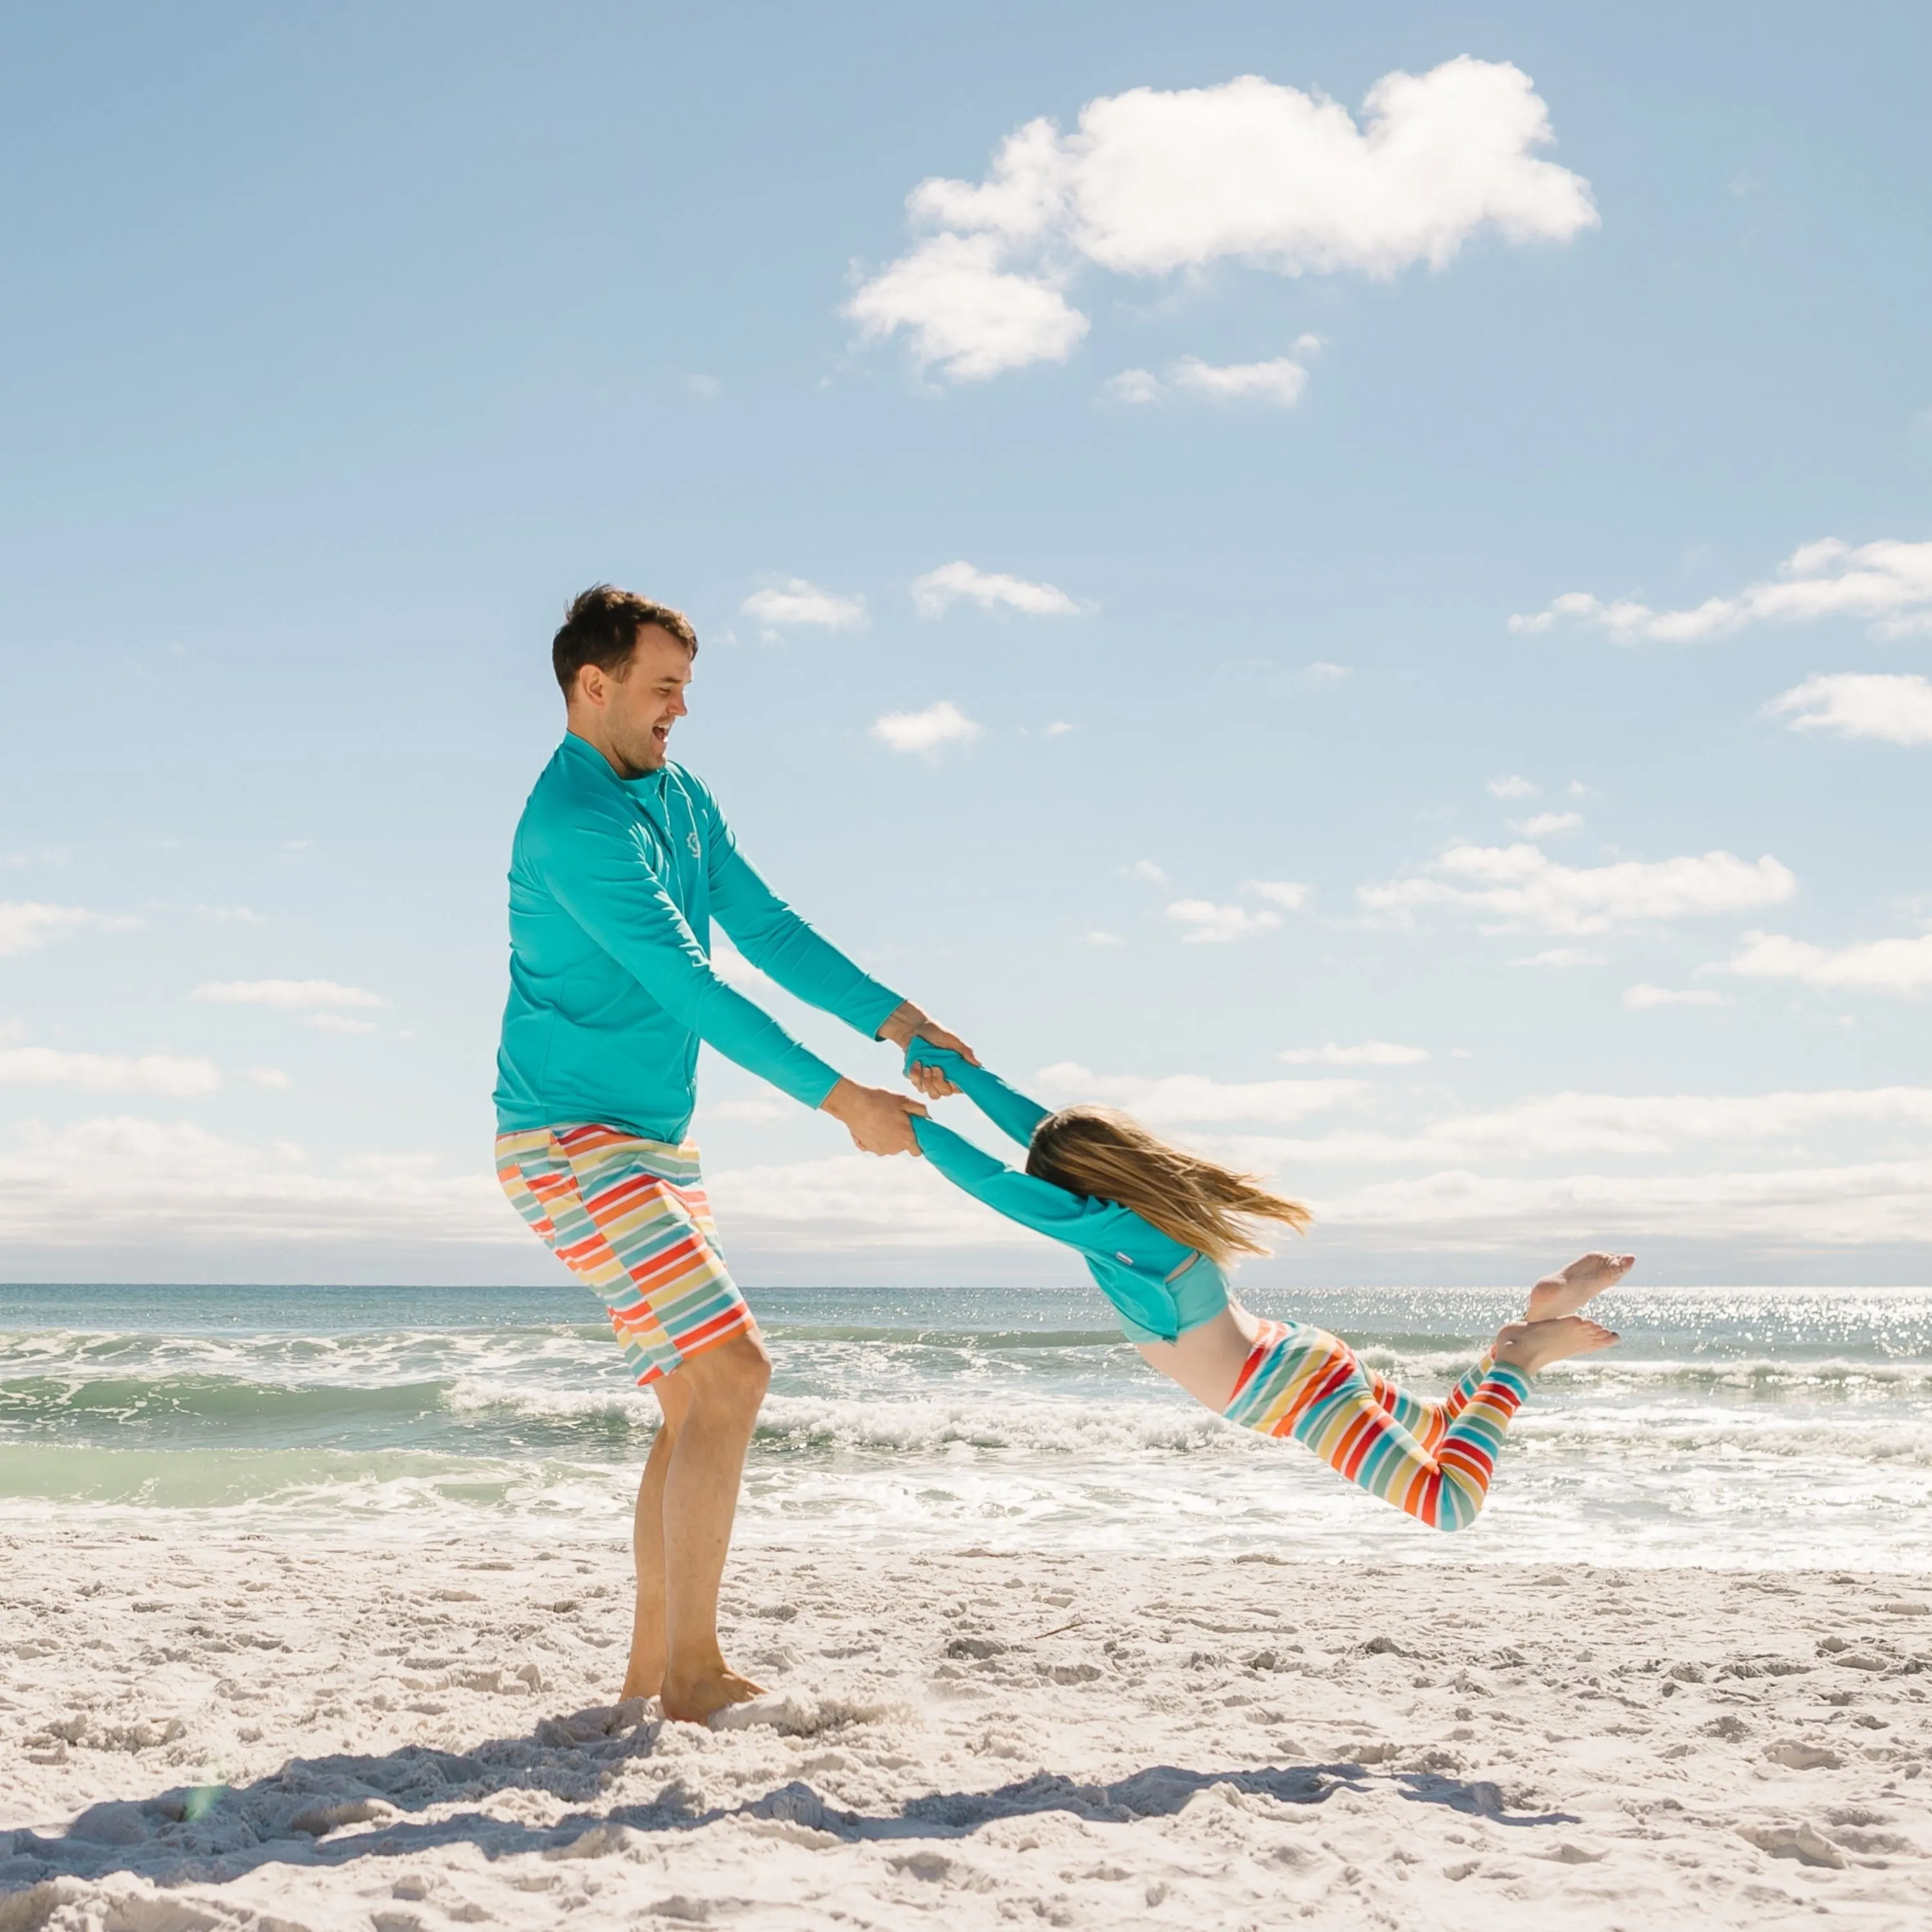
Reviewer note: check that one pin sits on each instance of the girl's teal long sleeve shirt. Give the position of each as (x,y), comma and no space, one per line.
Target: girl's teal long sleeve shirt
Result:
(614,883)
(1159,1288)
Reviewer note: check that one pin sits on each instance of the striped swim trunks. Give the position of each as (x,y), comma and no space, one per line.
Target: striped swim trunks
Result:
(630,1218)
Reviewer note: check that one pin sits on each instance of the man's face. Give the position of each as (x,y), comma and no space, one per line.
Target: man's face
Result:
(639,707)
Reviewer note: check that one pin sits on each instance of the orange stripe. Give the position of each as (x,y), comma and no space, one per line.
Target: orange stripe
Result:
(727,1318)
(612,1199)
(667,1263)
(1361,1436)
(641,1314)
(1318,1387)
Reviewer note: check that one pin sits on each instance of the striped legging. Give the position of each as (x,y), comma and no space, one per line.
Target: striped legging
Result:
(1433,1460)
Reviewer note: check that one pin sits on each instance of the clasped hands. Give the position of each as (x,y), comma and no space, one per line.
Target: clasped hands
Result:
(879,1120)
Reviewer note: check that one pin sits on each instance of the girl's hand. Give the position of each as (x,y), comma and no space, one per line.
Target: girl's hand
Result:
(910,1021)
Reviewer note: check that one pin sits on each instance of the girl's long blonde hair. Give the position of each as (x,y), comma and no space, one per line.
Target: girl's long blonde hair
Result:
(1110,1156)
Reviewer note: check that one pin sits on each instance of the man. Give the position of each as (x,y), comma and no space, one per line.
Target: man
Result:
(621,862)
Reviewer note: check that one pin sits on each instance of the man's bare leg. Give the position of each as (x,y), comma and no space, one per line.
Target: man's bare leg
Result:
(645,1677)
(720,1392)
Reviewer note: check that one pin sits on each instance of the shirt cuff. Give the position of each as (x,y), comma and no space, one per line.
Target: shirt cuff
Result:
(869,1013)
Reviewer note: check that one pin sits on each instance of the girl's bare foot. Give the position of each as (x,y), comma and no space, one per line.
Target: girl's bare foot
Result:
(1584,1279)
(1531,1346)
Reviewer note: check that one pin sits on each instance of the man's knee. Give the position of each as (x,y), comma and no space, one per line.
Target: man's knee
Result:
(673,1394)
(732,1377)
(747,1367)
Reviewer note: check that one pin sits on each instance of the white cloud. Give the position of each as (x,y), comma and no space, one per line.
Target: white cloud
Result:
(1901,966)
(735,970)
(1133,385)
(1643,998)
(1278,891)
(1280,381)
(849,1202)
(1146,869)
(1888,584)
(1514,786)
(291,996)
(966,313)
(1850,704)
(939,589)
(1523,889)
(1210,924)
(793,601)
(754,1113)
(1635,1125)
(1560,956)
(1881,1202)
(26,926)
(1286,181)
(272,1078)
(1103,939)
(1370,1053)
(1547,824)
(1179,1098)
(1325,673)
(152,1182)
(1059,727)
(703,387)
(926,731)
(853,1201)
(109,1072)
(1152,182)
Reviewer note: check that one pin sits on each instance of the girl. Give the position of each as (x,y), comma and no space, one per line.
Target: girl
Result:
(1157,1228)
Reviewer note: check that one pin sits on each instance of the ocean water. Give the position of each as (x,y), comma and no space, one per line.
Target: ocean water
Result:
(1733,1427)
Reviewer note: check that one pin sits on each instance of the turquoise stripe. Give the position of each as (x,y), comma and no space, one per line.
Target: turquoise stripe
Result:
(662,1162)
(694,1308)
(1514,1380)
(1253,1402)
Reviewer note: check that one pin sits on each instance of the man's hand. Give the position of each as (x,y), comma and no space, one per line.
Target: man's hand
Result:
(909,1020)
(879,1121)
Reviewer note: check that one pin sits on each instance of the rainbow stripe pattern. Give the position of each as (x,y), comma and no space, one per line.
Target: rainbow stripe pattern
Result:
(1433,1460)
(630,1218)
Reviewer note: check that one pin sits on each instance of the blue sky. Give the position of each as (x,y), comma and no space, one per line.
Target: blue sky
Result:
(342,346)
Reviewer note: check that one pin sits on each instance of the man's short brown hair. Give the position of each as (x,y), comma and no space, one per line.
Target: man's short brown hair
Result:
(601,628)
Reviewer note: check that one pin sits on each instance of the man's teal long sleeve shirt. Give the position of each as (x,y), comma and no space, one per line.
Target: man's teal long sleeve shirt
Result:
(614,883)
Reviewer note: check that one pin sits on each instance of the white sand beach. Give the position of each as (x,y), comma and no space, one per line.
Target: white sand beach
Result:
(274,1734)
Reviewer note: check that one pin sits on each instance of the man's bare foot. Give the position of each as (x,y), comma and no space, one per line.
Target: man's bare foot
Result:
(641,1683)
(700,1699)
(1576,1285)
(1531,1346)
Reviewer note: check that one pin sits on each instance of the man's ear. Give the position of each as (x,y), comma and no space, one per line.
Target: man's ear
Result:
(590,685)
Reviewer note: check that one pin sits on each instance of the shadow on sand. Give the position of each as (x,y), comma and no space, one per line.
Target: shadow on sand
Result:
(303,1813)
